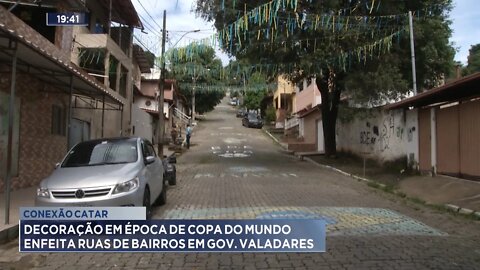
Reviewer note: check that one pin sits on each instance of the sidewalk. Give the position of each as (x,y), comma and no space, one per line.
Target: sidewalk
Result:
(24,198)
(455,193)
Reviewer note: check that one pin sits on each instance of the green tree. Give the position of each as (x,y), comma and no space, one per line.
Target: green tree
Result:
(255,92)
(473,65)
(339,54)
(196,75)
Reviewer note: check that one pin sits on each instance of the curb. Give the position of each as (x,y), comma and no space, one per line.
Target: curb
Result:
(9,234)
(451,207)
(274,139)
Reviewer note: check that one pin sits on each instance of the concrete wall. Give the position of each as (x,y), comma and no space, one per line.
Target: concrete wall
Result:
(142,122)
(380,135)
(111,126)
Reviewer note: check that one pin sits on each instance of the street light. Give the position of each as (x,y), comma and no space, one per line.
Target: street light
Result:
(186,33)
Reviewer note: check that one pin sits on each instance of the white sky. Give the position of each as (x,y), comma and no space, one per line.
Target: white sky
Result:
(465,18)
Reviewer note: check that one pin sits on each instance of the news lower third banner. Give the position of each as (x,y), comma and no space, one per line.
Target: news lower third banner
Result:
(106,235)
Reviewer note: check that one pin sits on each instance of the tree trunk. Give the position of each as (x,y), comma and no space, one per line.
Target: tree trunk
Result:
(329,108)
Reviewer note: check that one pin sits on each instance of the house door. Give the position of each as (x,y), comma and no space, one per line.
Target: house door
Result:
(80,132)
(320,138)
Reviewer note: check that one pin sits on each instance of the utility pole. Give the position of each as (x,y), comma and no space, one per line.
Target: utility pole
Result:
(193,96)
(412,49)
(161,95)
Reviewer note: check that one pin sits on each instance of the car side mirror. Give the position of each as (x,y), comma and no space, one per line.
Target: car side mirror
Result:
(150,160)
(172,159)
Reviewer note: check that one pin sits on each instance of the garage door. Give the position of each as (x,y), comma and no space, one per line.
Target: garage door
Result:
(448,148)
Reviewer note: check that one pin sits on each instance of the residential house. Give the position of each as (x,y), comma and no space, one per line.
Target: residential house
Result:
(173,107)
(46,90)
(104,49)
(308,113)
(284,101)
(448,127)
(142,120)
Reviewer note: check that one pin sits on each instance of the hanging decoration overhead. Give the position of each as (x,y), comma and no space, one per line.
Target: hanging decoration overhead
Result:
(281,23)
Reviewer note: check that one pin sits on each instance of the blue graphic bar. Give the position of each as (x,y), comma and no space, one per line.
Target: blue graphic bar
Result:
(82,213)
(173,236)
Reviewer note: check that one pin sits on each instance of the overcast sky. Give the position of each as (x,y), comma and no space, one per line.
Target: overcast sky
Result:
(465,18)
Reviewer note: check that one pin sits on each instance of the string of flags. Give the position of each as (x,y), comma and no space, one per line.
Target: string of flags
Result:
(278,21)
(342,60)
(237,36)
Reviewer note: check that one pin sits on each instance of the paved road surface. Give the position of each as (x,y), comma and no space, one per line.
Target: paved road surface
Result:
(233,172)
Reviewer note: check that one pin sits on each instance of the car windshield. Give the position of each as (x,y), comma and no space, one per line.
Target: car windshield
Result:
(252,116)
(95,153)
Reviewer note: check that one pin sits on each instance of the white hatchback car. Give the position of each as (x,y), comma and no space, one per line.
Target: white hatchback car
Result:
(106,172)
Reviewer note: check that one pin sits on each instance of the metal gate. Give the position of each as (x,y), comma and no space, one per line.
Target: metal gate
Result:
(468,137)
(448,146)
(458,130)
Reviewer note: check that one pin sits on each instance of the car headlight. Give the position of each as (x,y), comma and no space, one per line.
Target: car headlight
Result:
(126,186)
(43,192)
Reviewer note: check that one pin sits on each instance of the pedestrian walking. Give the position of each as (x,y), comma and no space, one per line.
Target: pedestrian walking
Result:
(188,132)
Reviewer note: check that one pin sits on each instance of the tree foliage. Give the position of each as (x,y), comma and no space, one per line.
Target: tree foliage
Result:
(473,65)
(369,77)
(253,96)
(201,63)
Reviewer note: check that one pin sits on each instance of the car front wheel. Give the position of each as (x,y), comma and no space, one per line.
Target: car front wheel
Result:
(162,198)
(146,203)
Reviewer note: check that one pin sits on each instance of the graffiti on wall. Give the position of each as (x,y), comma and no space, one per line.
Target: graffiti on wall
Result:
(384,134)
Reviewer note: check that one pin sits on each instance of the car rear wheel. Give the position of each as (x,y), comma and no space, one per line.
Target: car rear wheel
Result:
(173,179)
(146,202)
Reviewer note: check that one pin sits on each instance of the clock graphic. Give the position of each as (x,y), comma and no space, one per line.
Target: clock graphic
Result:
(66,18)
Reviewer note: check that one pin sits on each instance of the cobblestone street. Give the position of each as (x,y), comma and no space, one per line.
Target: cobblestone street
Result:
(232,172)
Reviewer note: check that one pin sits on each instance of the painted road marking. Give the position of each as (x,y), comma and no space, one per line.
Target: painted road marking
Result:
(341,221)
(245,175)
(234,141)
(232,151)
(242,169)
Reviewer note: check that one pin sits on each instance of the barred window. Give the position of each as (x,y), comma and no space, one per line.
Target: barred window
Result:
(58,120)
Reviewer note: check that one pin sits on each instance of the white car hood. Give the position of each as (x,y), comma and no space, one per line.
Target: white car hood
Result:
(91,176)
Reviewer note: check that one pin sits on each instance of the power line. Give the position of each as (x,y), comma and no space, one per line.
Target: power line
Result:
(149,26)
(149,14)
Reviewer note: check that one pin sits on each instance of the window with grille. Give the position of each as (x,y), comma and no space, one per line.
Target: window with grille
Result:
(58,120)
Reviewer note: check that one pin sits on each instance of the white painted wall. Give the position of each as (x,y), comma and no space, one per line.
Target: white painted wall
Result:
(412,146)
(381,135)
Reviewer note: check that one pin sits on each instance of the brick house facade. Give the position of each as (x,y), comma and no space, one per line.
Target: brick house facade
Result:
(45,83)
(39,150)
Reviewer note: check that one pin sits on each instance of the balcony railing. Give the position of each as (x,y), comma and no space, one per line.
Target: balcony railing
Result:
(104,41)
(291,123)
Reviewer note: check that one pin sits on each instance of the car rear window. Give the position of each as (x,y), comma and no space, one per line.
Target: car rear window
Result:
(94,153)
